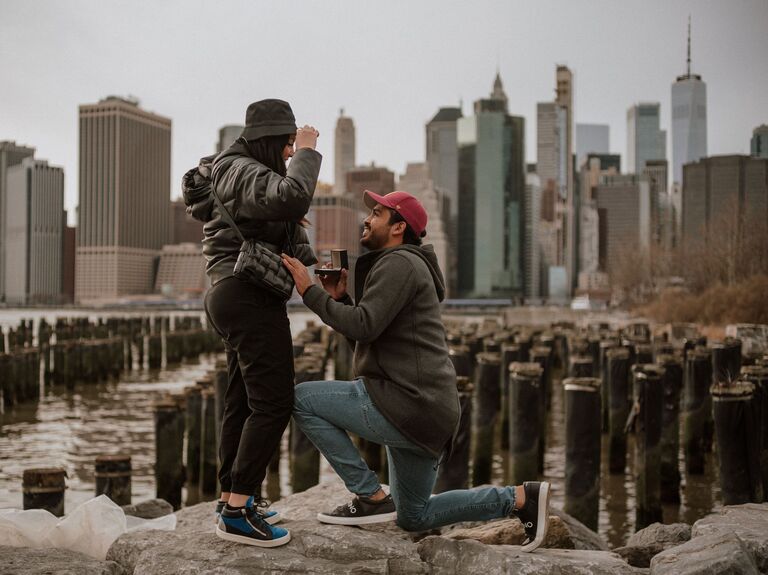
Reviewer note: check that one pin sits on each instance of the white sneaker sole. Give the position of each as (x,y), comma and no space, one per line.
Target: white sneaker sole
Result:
(250,541)
(542,525)
(366,520)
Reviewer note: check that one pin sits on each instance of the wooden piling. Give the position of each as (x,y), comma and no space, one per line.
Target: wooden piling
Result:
(697,409)
(757,375)
(602,373)
(208,464)
(582,449)
(619,404)
(670,425)
(526,411)
(485,415)
(113,477)
(169,448)
(462,362)
(305,458)
(44,489)
(192,421)
(737,430)
(510,352)
(726,361)
(580,366)
(648,392)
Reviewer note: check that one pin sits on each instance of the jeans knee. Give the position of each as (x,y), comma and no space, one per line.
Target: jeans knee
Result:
(409,521)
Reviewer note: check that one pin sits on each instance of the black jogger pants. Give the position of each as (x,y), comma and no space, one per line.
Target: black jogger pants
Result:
(259,399)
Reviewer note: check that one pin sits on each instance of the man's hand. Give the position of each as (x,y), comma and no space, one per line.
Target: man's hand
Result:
(299,272)
(335,284)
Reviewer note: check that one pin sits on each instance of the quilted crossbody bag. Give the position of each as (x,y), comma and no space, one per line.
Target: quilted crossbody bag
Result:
(257,263)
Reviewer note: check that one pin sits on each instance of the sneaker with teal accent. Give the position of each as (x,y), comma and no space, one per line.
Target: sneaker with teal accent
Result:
(248,526)
(271,517)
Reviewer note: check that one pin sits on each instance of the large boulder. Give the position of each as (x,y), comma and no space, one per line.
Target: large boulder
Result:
(328,549)
(749,522)
(721,554)
(646,543)
(29,561)
(453,557)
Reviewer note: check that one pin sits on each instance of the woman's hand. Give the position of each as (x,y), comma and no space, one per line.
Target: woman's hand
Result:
(306,137)
(300,273)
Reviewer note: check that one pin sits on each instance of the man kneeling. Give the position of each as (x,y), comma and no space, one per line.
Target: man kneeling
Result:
(405,395)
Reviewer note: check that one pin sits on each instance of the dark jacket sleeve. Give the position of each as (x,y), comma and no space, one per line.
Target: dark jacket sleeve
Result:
(261,194)
(389,287)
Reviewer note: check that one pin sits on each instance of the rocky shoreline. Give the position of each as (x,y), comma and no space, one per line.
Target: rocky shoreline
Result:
(732,541)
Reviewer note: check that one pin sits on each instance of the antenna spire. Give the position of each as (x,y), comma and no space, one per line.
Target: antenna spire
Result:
(689,45)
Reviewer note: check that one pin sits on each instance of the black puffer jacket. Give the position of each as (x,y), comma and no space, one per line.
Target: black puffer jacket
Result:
(258,199)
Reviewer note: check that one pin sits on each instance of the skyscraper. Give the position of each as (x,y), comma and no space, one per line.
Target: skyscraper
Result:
(645,139)
(125,172)
(227,136)
(34,233)
(491,197)
(443,160)
(343,152)
(532,249)
(759,143)
(377,179)
(11,155)
(417,181)
(689,118)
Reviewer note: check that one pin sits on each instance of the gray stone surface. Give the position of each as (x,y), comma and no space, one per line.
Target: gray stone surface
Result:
(646,543)
(671,534)
(720,554)
(453,557)
(150,509)
(27,561)
(327,549)
(749,522)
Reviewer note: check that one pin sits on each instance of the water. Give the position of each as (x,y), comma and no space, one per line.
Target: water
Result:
(70,428)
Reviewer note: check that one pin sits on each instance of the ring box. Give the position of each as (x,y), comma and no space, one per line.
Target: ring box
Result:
(339,261)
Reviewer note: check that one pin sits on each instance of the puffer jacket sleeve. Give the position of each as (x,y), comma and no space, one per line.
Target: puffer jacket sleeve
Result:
(261,194)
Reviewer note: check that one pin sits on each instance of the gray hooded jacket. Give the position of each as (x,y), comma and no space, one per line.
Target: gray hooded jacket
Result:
(401,351)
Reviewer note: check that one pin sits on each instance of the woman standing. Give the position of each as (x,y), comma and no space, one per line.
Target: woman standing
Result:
(267,202)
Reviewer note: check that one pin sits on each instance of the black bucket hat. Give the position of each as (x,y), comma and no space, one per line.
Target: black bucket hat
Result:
(270,117)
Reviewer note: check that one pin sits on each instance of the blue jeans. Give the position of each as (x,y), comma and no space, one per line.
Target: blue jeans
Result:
(326,410)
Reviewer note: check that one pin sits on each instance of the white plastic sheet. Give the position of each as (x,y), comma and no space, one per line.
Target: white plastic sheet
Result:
(90,528)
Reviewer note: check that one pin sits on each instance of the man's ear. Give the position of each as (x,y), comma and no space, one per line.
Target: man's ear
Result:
(398,228)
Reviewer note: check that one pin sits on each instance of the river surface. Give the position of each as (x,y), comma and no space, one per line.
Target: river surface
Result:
(70,428)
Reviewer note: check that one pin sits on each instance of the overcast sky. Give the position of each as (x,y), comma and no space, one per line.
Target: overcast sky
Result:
(391,64)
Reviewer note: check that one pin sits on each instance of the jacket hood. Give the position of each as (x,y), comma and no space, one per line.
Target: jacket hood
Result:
(425,252)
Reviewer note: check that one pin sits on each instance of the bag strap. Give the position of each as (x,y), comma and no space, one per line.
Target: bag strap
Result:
(226,215)
(289,230)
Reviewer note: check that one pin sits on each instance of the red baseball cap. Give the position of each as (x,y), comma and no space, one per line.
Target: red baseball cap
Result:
(404,204)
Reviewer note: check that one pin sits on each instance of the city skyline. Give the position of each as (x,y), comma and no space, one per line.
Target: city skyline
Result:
(390,89)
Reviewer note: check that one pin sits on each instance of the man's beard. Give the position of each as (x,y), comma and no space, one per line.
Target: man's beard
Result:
(371,241)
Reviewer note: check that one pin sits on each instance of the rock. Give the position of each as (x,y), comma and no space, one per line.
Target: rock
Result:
(28,561)
(640,555)
(582,536)
(150,509)
(749,522)
(723,553)
(648,542)
(454,557)
(668,535)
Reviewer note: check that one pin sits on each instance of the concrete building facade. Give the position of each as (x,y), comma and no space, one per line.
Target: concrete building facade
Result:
(125,170)
(344,147)
(227,136)
(531,245)
(181,271)
(417,181)
(723,190)
(491,197)
(11,154)
(645,139)
(758,145)
(34,233)
(624,210)
(377,179)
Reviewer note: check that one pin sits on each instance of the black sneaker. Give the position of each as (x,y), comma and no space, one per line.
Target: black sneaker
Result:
(246,525)
(271,517)
(361,511)
(534,514)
